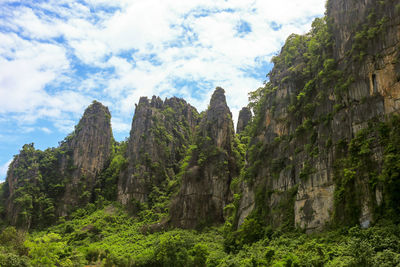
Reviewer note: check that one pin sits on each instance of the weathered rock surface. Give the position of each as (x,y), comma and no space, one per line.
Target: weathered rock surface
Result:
(88,151)
(244,119)
(366,47)
(160,134)
(42,185)
(205,183)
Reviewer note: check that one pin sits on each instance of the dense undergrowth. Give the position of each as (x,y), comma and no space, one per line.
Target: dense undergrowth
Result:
(110,237)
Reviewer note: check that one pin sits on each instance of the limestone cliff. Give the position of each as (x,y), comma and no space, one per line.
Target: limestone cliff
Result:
(87,153)
(160,134)
(42,185)
(305,161)
(209,169)
(243,119)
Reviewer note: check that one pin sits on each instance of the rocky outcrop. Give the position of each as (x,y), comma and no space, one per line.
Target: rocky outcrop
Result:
(310,114)
(209,169)
(369,53)
(42,185)
(87,153)
(244,119)
(161,132)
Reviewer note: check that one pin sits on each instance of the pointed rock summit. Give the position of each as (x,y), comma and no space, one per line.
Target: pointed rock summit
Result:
(42,185)
(88,151)
(160,132)
(245,117)
(209,169)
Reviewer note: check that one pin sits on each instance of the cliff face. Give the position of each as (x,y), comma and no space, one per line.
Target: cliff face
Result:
(367,40)
(87,153)
(208,170)
(161,132)
(42,185)
(319,108)
(244,119)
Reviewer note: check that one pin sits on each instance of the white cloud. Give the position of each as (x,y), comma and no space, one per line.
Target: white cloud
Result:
(25,70)
(41,28)
(46,130)
(4,169)
(64,125)
(136,48)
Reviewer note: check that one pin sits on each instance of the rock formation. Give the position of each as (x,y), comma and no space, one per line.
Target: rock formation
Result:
(87,153)
(310,119)
(161,131)
(42,185)
(23,175)
(209,169)
(322,147)
(244,119)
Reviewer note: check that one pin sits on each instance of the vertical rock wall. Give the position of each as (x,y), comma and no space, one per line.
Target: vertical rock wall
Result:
(87,153)
(244,119)
(210,168)
(298,163)
(161,132)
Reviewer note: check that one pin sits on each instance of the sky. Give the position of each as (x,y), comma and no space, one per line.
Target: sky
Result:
(57,56)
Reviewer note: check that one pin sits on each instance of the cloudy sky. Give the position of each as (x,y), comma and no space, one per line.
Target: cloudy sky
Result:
(56,56)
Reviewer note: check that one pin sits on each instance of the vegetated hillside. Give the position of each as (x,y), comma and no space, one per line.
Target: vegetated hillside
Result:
(109,236)
(320,155)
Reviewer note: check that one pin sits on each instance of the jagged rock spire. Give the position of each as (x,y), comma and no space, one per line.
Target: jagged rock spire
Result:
(245,117)
(205,183)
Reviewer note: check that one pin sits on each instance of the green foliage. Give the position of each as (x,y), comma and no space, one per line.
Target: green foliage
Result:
(306,171)
(13,252)
(49,250)
(350,172)
(389,134)
(359,173)
(108,179)
(109,237)
(171,250)
(249,232)
(375,25)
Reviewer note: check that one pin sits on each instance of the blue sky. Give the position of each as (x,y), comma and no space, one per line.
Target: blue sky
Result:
(56,56)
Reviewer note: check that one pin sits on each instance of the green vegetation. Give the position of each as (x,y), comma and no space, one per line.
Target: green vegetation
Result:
(375,25)
(110,237)
(106,189)
(357,167)
(39,187)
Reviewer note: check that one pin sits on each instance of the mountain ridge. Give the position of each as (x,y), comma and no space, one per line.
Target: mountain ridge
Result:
(315,148)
